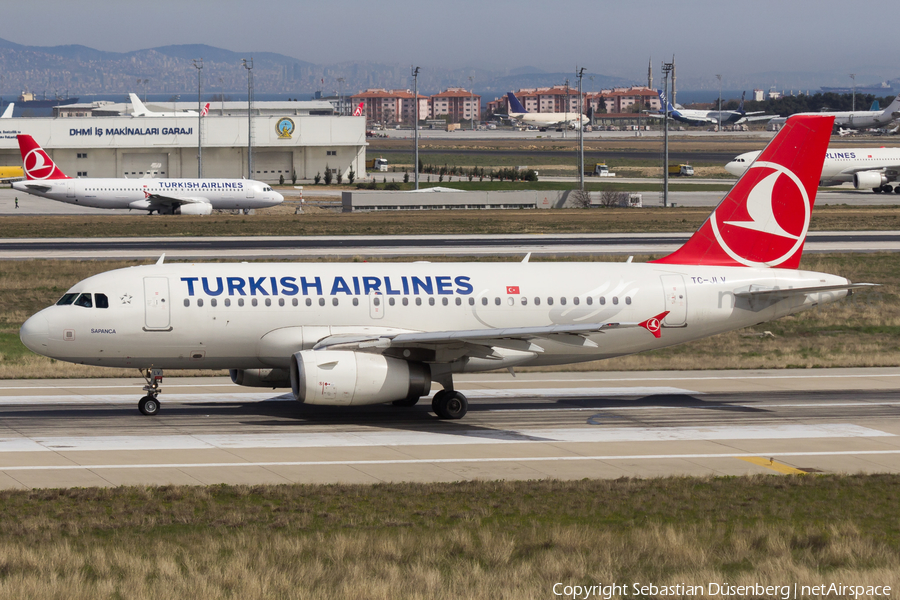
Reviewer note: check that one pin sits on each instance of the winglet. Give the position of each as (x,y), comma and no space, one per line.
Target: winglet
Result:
(162,259)
(654,324)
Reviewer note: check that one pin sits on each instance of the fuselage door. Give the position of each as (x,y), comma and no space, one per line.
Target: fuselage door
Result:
(156,304)
(675,294)
(251,193)
(376,305)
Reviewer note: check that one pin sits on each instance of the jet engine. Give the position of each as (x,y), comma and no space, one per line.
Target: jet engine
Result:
(199,208)
(268,378)
(868,179)
(345,378)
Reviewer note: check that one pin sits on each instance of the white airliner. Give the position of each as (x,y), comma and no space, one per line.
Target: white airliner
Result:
(163,196)
(139,110)
(859,119)
(518,112)
(369,333)
(871,168)
(708,117)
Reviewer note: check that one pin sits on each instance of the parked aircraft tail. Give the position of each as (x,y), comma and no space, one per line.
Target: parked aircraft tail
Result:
(514,105)
(137,107)
(7,114)
(892,112)
(359,109)
(763,220)
(36,163)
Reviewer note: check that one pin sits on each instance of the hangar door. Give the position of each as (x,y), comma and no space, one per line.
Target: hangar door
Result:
(268,166)
(135,165)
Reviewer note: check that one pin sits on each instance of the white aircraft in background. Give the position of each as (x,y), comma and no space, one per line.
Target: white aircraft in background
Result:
(518,112)
(7,114)
(368,333)
(865,167)
(139,110)
(708,117)
(859,119)
(163,196)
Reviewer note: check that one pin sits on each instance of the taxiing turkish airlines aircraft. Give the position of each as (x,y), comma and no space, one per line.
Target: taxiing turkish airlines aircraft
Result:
(518,112)
(873,168)
(163,196)
(138,109)
(369,333)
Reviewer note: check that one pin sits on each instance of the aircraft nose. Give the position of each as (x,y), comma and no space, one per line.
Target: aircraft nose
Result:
(35,334)
(279,197)
(733,168)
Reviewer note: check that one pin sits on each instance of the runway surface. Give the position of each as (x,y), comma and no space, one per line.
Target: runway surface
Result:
(402,246)
(537,425)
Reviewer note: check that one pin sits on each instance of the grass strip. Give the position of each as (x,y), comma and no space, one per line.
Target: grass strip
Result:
(448,540)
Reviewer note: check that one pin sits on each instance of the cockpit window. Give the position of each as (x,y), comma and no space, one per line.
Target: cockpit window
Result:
(66,299)
(101,300)
(84,300)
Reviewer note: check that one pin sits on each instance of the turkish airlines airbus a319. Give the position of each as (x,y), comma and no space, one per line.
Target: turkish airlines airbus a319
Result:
(163,196)
(368,333)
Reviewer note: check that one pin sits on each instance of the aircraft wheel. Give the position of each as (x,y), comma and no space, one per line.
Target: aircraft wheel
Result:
(148,405)
(897,190)
(437,403)
(887,189)
(877,190)
(451,405)
(406,402)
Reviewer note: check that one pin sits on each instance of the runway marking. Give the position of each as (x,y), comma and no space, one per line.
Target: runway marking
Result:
(446,438)
(771,463)
(420,461)
(754,376)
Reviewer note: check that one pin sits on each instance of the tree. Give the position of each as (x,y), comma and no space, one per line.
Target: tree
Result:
(328,175)
(340,177)
(611,198)
(317,178)
(294,177)
(281,179)
(581,199)
(351,176)
(405,176)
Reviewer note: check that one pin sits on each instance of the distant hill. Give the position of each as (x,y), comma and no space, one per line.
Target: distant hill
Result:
(79,70)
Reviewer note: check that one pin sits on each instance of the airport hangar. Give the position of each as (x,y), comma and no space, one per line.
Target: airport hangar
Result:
(293,136)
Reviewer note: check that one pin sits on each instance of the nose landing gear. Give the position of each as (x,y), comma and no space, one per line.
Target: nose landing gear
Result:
(149,404)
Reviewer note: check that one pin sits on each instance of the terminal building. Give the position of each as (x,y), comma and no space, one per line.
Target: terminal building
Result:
(104,140)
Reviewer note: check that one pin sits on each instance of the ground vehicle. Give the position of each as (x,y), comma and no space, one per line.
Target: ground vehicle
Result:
(681,170)
(377,164)
(600,170)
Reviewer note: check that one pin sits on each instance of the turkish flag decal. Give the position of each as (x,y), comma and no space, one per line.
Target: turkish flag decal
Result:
(512,289)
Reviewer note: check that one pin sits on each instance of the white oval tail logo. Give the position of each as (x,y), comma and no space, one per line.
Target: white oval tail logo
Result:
(38,165)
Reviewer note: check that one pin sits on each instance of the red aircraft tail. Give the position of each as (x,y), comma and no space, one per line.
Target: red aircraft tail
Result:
(763,220)
(35,162)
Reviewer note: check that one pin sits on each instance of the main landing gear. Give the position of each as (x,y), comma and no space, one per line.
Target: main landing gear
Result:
(149,404)
(449,404)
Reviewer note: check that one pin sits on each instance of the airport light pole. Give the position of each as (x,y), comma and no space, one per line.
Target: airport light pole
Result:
(472,100)
(719,77)
(249,66)
(666,69)
(198,64)
(580,75)
(340,81)
(415,75)
(853,77)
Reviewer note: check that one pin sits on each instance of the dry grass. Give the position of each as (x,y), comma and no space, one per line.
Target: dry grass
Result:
(468,540)
(436,222)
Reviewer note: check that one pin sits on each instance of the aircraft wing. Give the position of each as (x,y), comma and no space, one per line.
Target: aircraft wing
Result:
(479,342)
(164,200)
(886,168)
(750,118)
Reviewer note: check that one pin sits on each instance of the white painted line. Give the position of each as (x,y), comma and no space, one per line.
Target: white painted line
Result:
(400,438)
(426,461)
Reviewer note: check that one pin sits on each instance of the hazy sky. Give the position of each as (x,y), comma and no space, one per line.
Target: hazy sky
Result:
(614,38)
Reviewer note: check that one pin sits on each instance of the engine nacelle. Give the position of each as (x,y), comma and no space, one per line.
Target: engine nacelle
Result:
(267,378)
(345,378)
(868,179)
(199,208)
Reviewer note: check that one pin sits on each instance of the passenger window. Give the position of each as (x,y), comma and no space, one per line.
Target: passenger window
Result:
(484,300)
(309,301)
(562,300)
(615,299)
(294,302)
(227,301)
(66,299)
(281,302)
(602,300)
(101,300)
(406,302)
(213,303)
(627,299)
(471,301)
(321,301)
(356,301)
(187,302)
(576,300)
(240,301)
(375,300)
(497,301)
(589,300)
(445,301)
(268,302)
(431,302)
(550,300)
(537,301)
(254,302)
(199,301)
(334,301)
(418,302)
(459,301)
(84,300)
(524,301)
(391,301)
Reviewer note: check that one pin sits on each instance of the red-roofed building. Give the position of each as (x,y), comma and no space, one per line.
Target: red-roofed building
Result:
(392,106)
(459,104)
